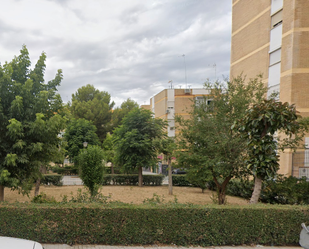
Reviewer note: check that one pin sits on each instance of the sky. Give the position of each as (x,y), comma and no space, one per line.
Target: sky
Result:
(129,48)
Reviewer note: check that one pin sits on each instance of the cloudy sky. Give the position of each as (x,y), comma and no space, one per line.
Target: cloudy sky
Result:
(129,48)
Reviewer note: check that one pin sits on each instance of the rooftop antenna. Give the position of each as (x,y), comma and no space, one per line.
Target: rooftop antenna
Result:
(171,83)
(184,61)
(215,67)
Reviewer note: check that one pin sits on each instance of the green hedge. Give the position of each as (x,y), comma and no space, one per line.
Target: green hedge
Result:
(180,180)
(127,179)
(66,170)
(52,180)
(202,226)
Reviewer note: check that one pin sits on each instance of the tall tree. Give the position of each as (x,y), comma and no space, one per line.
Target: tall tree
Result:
(109,151)
(263,126)
(208,146)
(77,132)
(93,105)
(120,112)
(168,147)
(135,141)
(29,121)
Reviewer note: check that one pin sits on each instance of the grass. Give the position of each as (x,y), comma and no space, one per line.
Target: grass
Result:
(129,194)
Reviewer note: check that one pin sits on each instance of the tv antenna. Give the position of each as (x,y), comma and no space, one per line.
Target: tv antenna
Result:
(184,61)
(171,83)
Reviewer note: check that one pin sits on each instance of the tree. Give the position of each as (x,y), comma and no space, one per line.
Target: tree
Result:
(208,146)
(168,147)
(134,141)
(77,132)
(91,166)
(93,105)
(29,121)
(260,126)
(108,150)
(120,112)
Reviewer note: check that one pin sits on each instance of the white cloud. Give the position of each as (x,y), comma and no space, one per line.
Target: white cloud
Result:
(128,48)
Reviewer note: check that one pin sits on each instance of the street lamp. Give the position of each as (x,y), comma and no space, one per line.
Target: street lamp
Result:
(85,144)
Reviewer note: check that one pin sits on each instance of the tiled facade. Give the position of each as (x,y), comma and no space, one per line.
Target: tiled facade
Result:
(271,37)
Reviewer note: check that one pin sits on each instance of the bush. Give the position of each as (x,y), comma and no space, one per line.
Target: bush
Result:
(153,224)
(240,187)
(52,180)
(91,168)
(132,179)
(283,190)
(66,170)
(286,190)
(180,180)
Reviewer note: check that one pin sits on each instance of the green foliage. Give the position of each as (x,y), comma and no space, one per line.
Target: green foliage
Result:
(180,180)
(120,112)
(209,148)
(130,179)
(108,149)
(30,118)
(66,170)
(91,168)
(261,126)
(77,132)
(43,198)
(93,105)
(153,224)
(85,197)
(134,140)
(52,180)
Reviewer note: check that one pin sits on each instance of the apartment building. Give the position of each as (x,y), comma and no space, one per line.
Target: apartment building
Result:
(271,37)
(171,102)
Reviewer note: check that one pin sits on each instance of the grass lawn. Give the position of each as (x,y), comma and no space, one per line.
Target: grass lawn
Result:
(129,194)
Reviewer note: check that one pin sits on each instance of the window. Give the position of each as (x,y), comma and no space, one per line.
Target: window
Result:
(275,57)
(276,19)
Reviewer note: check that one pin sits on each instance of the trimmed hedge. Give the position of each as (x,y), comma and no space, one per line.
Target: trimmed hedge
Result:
(202,226)
(52,180)
(180,180)
(66,170)
(127,179)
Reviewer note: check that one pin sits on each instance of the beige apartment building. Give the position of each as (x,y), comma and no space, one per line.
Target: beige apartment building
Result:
(171,102)
(271,37)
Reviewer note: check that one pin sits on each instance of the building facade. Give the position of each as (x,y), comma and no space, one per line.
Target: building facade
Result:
(171,102)
(271,38)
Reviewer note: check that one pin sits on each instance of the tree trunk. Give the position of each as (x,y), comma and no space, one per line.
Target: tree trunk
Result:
(140,176)
(221,188)
(1,193)
(170,178)
(112,167)
(257,190)
(37,187)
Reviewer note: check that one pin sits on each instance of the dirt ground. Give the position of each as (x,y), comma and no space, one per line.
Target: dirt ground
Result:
(130,194)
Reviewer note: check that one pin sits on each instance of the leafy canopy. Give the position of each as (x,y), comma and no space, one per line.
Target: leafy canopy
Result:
(93,105)
(209,147)
(30,119)
(134,140)
(77,132)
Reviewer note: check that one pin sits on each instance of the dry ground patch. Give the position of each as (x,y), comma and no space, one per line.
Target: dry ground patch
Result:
(129,194)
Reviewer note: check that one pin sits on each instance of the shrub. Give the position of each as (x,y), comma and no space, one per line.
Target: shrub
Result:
(91,168)
(66,170)
(132,179)
(153,224)
(52,180)
(180,180)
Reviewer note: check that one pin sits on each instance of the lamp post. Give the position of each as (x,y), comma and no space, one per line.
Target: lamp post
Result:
(85,144)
